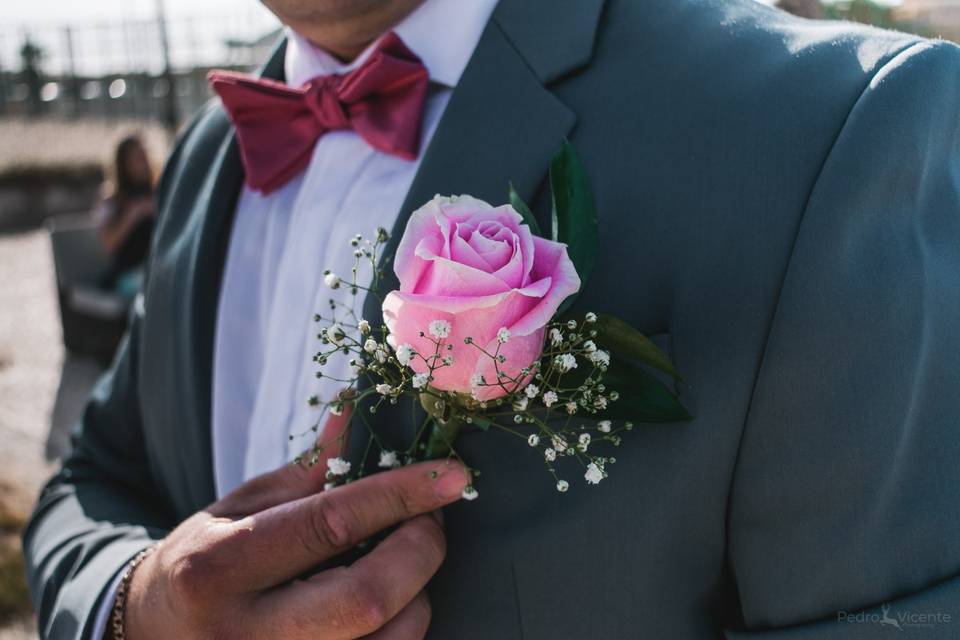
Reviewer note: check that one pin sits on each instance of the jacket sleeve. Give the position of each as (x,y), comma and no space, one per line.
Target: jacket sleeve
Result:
(103,506)
(844,518)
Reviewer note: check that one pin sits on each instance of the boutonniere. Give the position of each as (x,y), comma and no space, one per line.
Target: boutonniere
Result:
(480,335)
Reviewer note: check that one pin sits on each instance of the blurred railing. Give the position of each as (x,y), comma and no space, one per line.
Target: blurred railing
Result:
(118,69)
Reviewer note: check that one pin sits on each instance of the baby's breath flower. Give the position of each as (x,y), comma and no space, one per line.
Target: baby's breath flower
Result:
(600,358)
(420,380)
(556,337)
(381,355)
(583,442)
(477,380)
(532,391)
(405,353)
(364,327)
(559,443)
(549,454)
(604,426)
(600,402)
(521,404)
(503,335)
(590,317)
(594,474)
(370,345)
(470,493)
(388,460)
(448,361)
(336,334)
(562,486)
(384,389)
(337,409)
(533,440)
(565,362)
(589,346)
(331,280)
(440,329)
(549,398)
(338,466)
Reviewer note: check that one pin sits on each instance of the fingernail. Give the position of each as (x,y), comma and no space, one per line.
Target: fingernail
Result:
(451,483)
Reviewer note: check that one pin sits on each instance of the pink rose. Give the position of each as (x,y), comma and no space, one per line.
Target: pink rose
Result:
(480,269)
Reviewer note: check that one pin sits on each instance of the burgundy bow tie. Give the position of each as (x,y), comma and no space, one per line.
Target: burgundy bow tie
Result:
(278,126)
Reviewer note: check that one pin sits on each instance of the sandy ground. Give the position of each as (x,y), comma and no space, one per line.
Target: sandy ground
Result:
(41,391)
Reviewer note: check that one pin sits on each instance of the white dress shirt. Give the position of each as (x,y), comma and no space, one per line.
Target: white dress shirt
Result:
(281,243)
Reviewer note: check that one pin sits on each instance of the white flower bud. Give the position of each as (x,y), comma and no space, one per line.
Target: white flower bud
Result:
(440,329)
(420,380)
(594,474)
(338,466)
(405,353)
(549,398)
(388,460)
(331,280)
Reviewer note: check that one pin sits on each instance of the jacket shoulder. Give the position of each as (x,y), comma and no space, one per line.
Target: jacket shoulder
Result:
(756,48)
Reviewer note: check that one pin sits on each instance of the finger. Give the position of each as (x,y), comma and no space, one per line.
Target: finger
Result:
(410,624)
(291,481)
(362,598)
(281,543)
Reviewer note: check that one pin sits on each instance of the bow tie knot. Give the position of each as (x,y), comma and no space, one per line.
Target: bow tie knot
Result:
(278,126)
(323,99)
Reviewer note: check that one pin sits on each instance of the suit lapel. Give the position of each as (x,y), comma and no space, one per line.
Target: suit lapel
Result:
(501,125)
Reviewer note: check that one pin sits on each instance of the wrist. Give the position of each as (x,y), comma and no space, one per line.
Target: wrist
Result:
(116,627)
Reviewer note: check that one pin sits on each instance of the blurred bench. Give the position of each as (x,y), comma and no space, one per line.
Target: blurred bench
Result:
(93,319)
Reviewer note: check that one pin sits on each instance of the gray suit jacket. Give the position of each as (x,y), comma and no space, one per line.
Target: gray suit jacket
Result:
(779,203)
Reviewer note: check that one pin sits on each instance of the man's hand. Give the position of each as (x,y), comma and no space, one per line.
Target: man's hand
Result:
(233,571)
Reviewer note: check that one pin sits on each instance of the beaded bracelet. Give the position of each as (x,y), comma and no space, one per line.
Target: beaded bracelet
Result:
(120,602)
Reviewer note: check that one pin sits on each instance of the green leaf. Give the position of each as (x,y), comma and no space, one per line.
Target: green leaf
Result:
(624,341)
(643,398)
(516,201)
(574,213)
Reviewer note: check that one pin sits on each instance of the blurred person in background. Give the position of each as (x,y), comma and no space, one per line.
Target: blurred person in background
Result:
(125,215)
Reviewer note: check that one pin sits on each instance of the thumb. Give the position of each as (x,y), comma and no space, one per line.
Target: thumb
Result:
(293,480)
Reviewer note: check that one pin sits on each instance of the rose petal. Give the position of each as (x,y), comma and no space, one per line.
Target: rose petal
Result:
(552,261)
(462,252)
(520,352)
(425,223)
(449,278)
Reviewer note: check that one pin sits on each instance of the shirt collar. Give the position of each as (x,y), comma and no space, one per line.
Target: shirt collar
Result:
(443,34)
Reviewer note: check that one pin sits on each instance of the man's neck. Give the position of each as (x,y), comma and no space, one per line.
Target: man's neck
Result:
(345,34)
